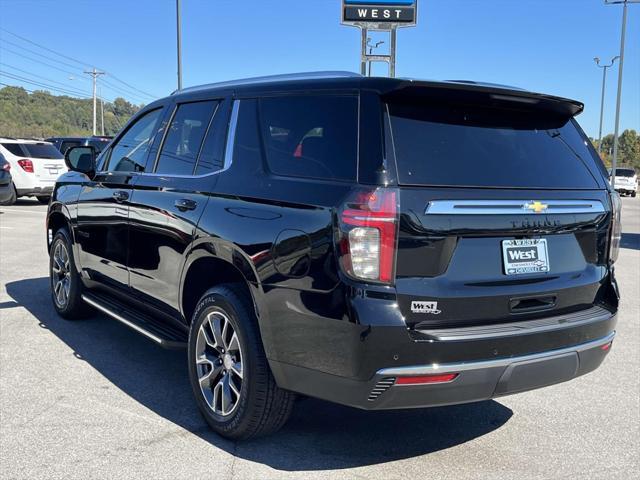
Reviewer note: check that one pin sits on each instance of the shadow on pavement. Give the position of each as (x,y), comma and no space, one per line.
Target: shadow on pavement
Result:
(319,435)
(630,240)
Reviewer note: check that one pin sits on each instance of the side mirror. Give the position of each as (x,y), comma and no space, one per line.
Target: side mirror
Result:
(81,159)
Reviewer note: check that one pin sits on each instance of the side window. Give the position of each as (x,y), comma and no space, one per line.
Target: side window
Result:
(212,155)
(129,154)
(184,138)
(311,136)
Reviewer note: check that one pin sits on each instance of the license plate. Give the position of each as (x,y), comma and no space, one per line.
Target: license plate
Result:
(525,256)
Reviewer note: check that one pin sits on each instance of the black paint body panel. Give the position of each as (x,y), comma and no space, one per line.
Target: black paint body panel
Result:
(278,233)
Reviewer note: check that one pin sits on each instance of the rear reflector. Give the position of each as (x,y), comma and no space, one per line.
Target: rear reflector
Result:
(606,346)
(424,379)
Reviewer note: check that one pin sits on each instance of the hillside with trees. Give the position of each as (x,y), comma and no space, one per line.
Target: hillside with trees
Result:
(41,114)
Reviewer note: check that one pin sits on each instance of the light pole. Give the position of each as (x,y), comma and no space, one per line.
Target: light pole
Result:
(604,81)
(371,47)
(614,160)
(179,44)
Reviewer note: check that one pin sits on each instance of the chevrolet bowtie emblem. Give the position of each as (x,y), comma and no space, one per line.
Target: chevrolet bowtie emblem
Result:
(537,207)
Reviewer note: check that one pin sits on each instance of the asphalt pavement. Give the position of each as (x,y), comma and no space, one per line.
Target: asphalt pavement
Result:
(93,399)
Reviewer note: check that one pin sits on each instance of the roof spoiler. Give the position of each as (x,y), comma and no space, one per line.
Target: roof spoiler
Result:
(493,96)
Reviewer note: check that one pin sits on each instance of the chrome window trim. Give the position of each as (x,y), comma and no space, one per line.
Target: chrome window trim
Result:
(228,149)
(512,207)
(495,363)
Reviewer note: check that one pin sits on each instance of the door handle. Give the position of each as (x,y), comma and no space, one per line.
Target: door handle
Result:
(185,204)
(120,195)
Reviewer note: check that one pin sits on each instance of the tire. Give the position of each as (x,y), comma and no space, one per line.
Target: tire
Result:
(633,194)
(14,196)
(261,407)
(44,200)
(66,286)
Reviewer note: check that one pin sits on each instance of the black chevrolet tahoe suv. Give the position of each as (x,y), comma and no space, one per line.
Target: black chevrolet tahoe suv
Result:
(379,243)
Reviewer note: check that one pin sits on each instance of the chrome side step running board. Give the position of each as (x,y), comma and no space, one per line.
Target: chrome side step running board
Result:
(163,335)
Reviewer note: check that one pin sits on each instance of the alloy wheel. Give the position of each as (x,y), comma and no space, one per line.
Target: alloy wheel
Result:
(61,275)
(219,363)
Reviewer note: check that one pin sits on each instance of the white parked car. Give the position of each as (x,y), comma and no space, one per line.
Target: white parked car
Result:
(626,181)
(35,166)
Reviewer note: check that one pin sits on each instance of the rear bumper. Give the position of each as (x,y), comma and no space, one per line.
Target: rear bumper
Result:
(626,188)
(475,381)
(35,191)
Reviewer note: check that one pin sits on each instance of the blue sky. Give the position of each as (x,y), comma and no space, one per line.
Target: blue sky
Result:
(542,45)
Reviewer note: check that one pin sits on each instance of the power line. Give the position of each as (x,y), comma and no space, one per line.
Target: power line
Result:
(46,48)
(111,75)
(108,105)
(40,84)
(15,86)
(94,76)
(113,88)
(43,78)
(17,45)
(84,64)
(21,55)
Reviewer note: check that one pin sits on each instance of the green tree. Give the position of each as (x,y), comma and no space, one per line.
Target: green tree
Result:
(629,148)
(42,115)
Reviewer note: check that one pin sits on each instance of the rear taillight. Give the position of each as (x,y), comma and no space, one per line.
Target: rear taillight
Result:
(27,165)
(6,167)
(368,234)
(616,227)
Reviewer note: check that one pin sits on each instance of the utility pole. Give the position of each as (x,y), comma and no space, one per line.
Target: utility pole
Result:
(179,44)
(614,161)
(604,81)
(94,74)
(102,116)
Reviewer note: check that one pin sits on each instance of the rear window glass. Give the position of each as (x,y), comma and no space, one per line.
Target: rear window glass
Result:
(312,136)
(484,147)
(14,148)
(41,150)
(625,172)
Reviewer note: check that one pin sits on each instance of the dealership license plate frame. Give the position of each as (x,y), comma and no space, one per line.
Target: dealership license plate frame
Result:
(539,264)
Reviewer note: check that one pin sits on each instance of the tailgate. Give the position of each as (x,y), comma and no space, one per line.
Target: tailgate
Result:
(504,212)
(466,261)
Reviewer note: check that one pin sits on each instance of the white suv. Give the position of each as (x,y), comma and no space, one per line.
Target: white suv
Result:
(35,166)
(626,181)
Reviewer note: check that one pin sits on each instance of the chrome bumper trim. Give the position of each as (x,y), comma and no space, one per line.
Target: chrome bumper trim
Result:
(498,362)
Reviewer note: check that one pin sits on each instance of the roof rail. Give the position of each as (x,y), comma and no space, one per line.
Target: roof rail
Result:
(271,79)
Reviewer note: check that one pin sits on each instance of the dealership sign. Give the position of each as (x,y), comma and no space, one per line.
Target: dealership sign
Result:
(380,13)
